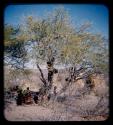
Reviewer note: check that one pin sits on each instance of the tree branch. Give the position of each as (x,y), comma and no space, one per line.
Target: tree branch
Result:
(42,76)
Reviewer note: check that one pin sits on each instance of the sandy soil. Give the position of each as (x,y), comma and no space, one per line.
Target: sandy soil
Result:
(76,107)
(70,111)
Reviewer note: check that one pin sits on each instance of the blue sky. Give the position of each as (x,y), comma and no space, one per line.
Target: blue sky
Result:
(98,15)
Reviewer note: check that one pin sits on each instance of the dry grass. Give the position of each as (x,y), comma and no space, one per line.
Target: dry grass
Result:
(76,103)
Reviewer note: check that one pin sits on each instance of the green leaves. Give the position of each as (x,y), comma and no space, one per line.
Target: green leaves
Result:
(70,45)
(10,34)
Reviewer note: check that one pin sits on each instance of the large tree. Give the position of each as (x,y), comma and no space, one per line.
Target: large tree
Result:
(53,39)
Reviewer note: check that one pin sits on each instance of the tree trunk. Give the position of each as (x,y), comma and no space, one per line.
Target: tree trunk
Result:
(47,85)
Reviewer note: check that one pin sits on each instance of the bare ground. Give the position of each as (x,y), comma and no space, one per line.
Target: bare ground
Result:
(70,110)
(77,106)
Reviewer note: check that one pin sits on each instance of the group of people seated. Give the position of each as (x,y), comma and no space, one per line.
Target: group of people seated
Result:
(29,97)
(24,97)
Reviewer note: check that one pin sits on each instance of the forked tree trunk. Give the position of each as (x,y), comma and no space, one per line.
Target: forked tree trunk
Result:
(47,84)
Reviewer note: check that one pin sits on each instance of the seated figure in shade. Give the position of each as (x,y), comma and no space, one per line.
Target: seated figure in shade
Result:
(19,97)
(28,97)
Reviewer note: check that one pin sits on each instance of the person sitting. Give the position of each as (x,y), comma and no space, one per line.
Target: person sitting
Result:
(19,98)
(36,97)
(28,96)
(27,91)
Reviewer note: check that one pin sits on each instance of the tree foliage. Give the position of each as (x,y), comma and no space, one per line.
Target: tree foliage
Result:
(15,52)
(55,36)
